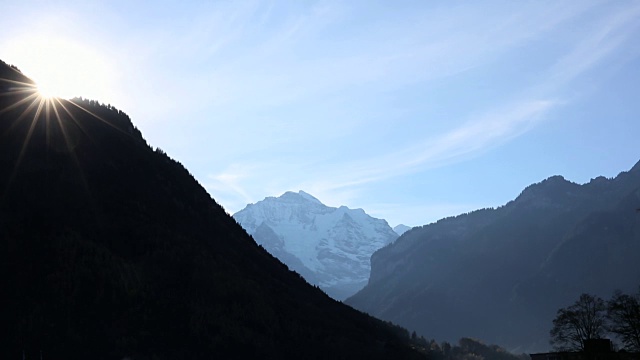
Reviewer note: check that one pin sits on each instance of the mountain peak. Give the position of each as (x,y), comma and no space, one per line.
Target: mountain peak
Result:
(401,229)
(515,265)
(552,187)
(332,244)
(300,195)
(308,196)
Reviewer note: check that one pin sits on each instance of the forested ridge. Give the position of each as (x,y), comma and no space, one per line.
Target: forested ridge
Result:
(111,249)
(501,274)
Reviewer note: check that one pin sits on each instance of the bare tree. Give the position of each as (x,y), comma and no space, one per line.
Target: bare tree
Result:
(624,315)
(573,325)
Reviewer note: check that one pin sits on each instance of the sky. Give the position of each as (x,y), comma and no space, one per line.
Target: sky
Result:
(411,110)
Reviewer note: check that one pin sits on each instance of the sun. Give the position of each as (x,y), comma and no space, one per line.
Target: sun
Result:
(47,91)
(63,67)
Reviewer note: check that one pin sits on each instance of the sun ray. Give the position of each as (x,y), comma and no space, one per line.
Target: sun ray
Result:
(47,119)
(50,117)
(75,120)
(27,139)
(62,126)
(32,127)
(66,137)
(31,97)
(98,117)
(35,108)
(19,88)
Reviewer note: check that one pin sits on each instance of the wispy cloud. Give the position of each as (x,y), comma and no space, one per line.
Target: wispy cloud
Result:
(253,54)
(229,182)
(596,43)
(280,84)
(448,54)
(501,124)
(477,135)
(338,184)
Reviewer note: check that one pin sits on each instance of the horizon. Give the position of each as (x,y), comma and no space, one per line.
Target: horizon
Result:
(411,112)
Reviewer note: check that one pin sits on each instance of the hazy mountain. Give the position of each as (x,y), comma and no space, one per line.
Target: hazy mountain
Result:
(110,250)
(501,274)
(330,247)
(401,229)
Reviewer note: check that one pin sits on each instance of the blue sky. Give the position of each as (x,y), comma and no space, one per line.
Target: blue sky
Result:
(411,110)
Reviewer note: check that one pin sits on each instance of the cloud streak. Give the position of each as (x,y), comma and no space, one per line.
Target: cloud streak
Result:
(333,97)
(474,137)
(501,125)
(483,130)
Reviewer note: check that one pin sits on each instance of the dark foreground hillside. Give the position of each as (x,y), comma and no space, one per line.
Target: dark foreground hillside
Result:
(109,249)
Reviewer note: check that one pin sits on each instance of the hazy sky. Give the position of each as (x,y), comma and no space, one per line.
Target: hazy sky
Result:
(411,110)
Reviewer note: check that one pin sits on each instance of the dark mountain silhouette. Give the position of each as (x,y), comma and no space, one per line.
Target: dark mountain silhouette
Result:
(501,274)
(110,249)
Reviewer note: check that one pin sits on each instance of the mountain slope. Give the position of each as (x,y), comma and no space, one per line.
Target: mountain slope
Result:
(501,274)
(110,250)
(330,247)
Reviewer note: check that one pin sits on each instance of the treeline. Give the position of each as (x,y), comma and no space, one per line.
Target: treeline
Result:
(117,118)
(466,349)
(591,317)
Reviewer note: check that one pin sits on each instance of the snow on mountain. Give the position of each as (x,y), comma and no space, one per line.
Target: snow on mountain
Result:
(401,229)
(330,247)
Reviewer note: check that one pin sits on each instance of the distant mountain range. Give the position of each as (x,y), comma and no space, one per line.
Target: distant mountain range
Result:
(501,274)
(330,247)
(110,249)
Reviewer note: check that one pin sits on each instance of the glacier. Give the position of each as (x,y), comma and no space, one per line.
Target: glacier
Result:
(330,247)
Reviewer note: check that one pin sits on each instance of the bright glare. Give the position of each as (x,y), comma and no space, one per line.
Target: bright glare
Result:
(46,91)
(63,68)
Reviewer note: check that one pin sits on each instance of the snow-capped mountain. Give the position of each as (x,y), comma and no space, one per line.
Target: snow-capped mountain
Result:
(330,247)
(401,229)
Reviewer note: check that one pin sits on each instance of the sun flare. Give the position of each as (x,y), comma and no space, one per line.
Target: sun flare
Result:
(46,92)
(63,68)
